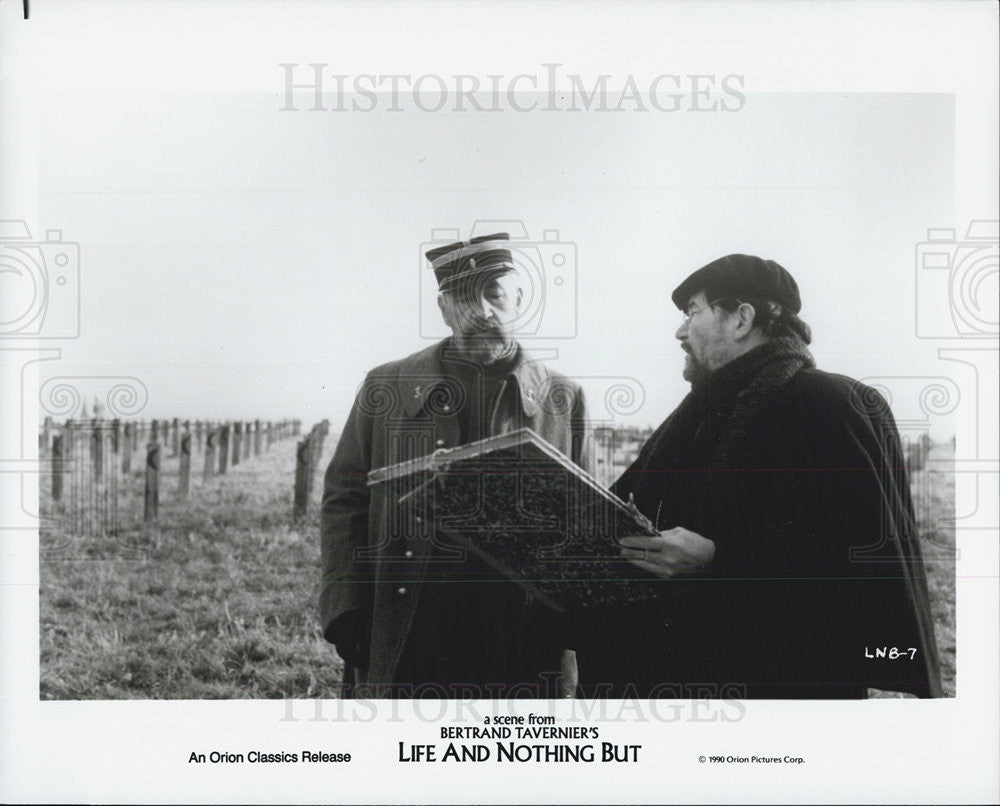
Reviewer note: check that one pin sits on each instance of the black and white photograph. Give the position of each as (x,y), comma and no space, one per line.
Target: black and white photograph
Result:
(499,402)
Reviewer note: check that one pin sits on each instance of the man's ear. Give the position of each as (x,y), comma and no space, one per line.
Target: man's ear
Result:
(746,315)
(520,297)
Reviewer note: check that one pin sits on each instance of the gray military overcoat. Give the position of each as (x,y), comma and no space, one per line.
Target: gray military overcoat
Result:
(372,561)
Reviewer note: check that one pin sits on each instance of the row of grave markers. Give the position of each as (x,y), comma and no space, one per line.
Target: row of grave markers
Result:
(169,433)
(307,456)
(91,453)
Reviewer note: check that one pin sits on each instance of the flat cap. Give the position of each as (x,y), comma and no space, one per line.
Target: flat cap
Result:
(466,259)
(738,275)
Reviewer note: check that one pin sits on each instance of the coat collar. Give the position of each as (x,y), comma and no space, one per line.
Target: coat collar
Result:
(422,372)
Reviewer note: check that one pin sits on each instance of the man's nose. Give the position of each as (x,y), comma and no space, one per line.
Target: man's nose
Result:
(681,332)
(486,308)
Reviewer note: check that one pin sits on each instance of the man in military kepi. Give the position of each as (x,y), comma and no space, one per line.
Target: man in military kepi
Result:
(787,529)
(414,616)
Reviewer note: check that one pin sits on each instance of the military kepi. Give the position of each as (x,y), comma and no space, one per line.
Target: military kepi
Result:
(741,275)
(487,254)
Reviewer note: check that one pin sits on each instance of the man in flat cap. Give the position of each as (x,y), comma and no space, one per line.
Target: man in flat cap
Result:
(411,614)
(787,530)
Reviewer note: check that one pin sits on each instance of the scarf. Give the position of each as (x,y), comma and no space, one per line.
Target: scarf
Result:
(755,379)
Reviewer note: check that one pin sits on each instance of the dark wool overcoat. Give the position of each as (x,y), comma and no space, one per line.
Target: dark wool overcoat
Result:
(817,569)
(374,560)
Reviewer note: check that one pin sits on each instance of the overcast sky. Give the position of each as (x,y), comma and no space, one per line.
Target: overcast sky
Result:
(248,262)
(243,261)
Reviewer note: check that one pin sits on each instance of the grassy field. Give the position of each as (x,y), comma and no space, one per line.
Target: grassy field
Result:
(219,599)
(934,501)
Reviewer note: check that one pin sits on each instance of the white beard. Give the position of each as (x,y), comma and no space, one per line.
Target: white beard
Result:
(484,349)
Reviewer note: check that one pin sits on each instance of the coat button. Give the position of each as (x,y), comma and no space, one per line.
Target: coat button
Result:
(446,407)
(408,553)
(439,443)
(401,591)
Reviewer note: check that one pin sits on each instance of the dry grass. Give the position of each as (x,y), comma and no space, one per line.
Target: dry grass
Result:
(934,500)
(219,599)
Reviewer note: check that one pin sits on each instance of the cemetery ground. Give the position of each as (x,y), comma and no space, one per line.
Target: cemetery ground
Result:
(217,600)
